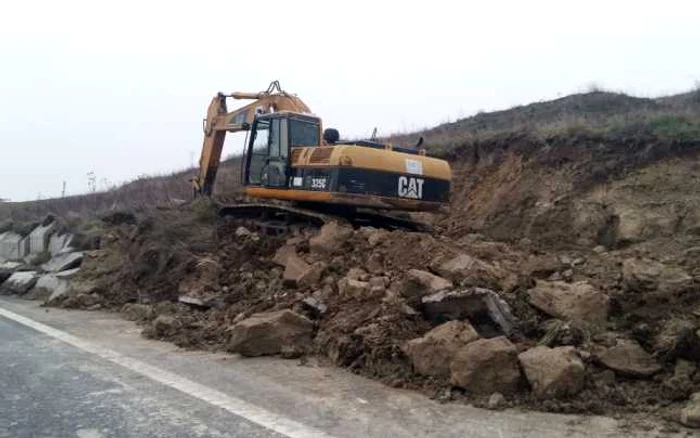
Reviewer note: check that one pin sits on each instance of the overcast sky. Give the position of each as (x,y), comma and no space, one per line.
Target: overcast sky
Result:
(120,88)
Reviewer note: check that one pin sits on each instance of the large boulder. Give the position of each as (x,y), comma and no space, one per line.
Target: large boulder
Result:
(298,273)
(570,301)
(553,372)
(486,366)
(283,253)
(269,333)
(330,239)
(472,303)
(642,274)
(50,287)
(629,358)
(432,354)
(20,282)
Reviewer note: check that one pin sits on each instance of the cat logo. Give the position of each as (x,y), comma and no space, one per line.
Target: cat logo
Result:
(410,187)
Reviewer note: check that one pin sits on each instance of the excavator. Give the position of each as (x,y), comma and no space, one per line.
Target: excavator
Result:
(298,173)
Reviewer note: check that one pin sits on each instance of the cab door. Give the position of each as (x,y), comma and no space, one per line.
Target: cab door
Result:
(268,155)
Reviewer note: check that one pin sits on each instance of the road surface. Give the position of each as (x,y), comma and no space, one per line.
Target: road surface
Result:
(90,375)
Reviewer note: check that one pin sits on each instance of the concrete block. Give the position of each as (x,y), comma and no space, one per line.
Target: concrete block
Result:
(67,274)
(10,246)
(60,243)
(20,282)
(51,285)
(39,238)
(63,262)
(24,247)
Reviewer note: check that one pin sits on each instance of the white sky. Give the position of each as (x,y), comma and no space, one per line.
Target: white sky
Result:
(120,88)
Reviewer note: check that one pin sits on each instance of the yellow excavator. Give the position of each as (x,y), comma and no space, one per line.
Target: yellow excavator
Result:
(310,174)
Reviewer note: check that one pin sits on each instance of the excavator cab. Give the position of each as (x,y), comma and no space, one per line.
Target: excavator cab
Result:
(266,162)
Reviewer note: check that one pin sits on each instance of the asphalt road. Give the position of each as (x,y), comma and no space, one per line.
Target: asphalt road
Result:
(90,375)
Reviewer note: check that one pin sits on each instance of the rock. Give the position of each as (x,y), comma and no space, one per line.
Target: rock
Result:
(242,232)
(375,239)
(641,274)
(431,283)
(379,281)
(298,273)
(485,366)
(375,263)
(357,274)
(51,287)
(283,254)
(432,354)
(469,303)
(470,271)
(63,262)
(164,325)
(629,358)
(20,282)
(136,312)
(604,378)
(575,301)
(680,385)
(678,338)
(193,302)
(568,275)
(330,239)
(496,401)
(553,372)
(599,249)
(690,414)
(314,306)
(269,333)
(352,288)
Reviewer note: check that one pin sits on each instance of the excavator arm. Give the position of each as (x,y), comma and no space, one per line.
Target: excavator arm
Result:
(219,121)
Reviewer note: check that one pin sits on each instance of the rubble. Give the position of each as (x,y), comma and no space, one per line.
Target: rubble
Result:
(470,303)
(432,353)
(575,301)
(486,365)
(553,372)
(330,238)
(629,358)
(270,333)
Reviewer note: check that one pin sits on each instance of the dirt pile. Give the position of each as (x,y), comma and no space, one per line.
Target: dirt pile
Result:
(375,301)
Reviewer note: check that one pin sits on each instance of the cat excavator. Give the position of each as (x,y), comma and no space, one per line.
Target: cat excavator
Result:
(297,173)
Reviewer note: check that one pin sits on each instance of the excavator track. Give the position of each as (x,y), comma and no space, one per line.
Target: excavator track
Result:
(277,219)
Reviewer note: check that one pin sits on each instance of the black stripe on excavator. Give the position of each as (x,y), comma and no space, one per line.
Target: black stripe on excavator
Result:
(372,182)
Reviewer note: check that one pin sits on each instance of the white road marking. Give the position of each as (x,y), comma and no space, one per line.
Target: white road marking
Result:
(250,412)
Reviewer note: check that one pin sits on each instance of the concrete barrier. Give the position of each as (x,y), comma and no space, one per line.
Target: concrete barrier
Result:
(11,246)
(39,238)
(20,282)
(63,262)
(60,243)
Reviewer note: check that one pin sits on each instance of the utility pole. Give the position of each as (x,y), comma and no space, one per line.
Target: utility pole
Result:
(63,191)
